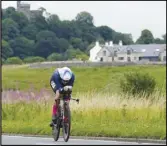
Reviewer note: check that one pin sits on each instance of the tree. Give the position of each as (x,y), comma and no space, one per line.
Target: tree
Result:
(3,14)
(22,47)
(53,19)
(64,29)
(47,43)
(62,45)
(40,22)
(42,36)
(126,39)
(20,18)
(158,41)
(146,37)
(89,48)
(10,29)
(6,50)
(76,42)
(45,35)
(164,37)
(9,11)
(106,32)
(84,18)
(42,9)
(76,30)
(30,31)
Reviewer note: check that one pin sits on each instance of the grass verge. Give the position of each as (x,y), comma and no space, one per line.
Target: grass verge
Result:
(103,115)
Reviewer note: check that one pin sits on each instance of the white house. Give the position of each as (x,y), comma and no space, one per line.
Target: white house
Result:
(123,53)
(163,53)
(103,52)
(93,53)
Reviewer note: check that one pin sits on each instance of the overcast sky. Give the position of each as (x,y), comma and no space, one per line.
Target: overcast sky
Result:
(122,16)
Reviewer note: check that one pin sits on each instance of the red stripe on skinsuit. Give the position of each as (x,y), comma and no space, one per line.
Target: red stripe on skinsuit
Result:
(54,110)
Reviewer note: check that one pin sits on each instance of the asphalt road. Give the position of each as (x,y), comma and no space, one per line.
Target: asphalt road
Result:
(21,140)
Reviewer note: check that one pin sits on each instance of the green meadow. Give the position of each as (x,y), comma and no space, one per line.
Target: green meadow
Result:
(103,110)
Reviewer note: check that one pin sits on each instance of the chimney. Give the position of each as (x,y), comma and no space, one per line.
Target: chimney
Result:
(120,43)
(97,43)
(111,43)
(106,44)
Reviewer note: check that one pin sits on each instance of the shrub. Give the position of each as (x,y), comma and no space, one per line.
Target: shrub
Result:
(14,60)
(32,59)
(55,57)
(82,57)
(138,83)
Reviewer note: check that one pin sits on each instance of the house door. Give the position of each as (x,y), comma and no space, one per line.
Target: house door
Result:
(101,59)
(128,59)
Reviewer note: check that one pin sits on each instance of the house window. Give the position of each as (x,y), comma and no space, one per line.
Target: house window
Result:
(134,58)
(104,53)
(115,53)
(128,58)
(128,52)
(120,58)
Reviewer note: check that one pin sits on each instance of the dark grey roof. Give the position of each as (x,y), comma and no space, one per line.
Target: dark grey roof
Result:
(111,48)
(145,49)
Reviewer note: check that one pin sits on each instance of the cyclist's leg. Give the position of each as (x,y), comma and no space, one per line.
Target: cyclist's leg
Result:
(55,110)
(55,105)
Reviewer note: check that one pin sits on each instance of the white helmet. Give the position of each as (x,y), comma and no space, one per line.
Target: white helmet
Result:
(65,74)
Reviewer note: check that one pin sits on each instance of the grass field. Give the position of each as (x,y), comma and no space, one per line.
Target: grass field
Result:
(103,110)
(87,79)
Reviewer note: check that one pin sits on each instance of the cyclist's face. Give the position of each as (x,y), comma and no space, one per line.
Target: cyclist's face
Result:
(64,82)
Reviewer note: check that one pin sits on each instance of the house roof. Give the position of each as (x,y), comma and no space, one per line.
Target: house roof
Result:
(145,49)
(149,49)
(111,48)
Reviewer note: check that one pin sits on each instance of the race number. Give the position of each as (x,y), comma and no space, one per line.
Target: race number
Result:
(53,84)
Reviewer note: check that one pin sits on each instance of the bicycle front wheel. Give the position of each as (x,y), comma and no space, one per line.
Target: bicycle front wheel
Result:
(56,132)
(66,122)
(56,128)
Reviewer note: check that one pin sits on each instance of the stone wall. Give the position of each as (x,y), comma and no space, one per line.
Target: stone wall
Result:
(89,64)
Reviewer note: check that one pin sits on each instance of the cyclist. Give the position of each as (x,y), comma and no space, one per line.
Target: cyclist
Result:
(61,81)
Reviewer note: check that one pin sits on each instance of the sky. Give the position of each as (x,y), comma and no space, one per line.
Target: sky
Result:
(122,16)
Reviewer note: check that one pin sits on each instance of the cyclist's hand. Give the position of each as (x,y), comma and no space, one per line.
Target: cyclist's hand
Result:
(67,88)
(56,98)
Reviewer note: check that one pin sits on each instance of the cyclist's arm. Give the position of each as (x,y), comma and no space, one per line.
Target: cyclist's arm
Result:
(56,86)
(71,83)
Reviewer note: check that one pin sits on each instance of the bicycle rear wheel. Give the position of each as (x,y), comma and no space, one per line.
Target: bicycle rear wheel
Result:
(66,123)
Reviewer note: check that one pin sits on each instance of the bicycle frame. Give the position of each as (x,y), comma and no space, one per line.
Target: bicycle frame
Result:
(61,123)
(62,106)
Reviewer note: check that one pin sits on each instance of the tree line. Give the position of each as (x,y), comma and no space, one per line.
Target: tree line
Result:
(55,39)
